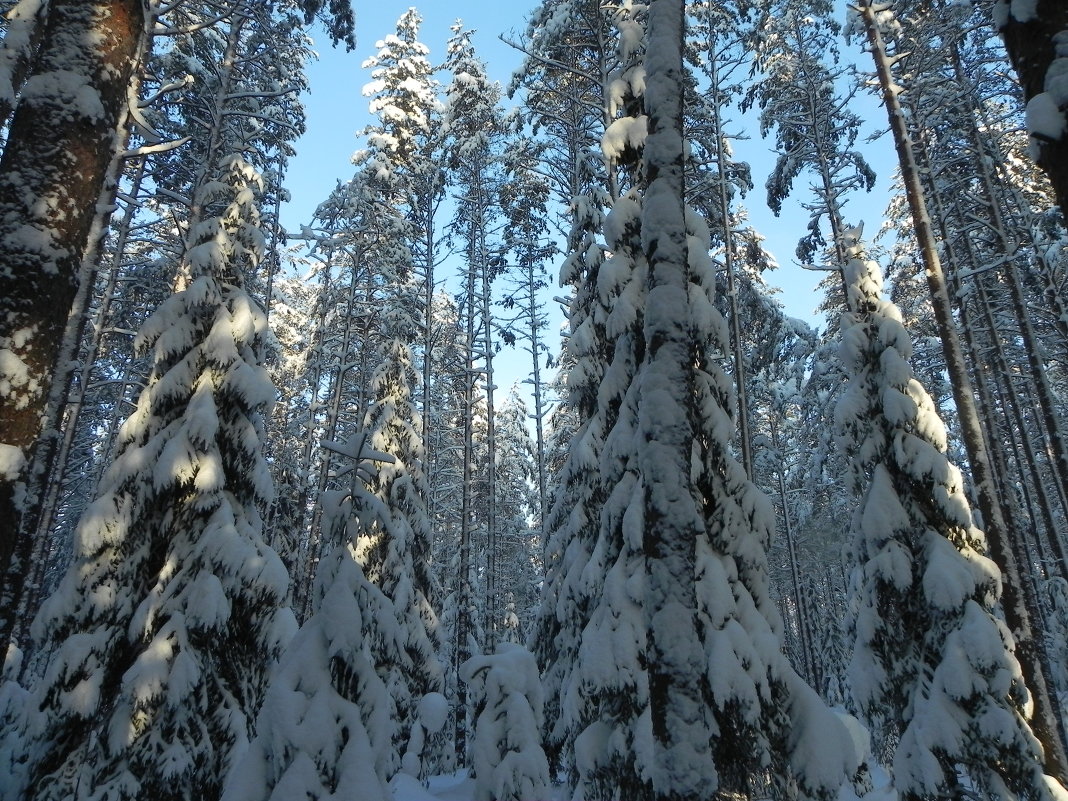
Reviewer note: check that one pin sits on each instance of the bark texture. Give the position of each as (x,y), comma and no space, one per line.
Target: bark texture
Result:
(1031,49)
(63,139)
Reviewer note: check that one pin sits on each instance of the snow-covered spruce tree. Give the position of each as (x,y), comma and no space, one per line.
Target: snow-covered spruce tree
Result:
(62,144)
(202,89)
(964,117)
(602,695)
(508,759)
(1017,603)
(571,525)
(165,624)
(696,697)
(933,666)
(244,69)
(328,727)
(581,56)
(393,546)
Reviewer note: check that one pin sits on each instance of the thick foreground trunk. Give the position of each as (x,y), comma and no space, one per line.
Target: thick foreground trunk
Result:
(60,149)
(1031,50)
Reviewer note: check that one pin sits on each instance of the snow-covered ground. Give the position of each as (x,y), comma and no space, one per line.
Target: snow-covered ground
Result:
(461,787)
(452,787)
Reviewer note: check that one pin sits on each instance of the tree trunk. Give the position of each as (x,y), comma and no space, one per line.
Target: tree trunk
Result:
(60,152)
(538,393)
(666,432)
(25,27)
(745,444)
(1031,51)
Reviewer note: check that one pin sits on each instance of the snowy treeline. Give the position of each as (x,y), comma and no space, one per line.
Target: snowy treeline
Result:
(270,529)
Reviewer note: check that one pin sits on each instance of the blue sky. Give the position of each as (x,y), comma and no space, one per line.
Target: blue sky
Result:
(336,110)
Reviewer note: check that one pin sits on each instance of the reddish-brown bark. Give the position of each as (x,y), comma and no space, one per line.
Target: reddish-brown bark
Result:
(62,143)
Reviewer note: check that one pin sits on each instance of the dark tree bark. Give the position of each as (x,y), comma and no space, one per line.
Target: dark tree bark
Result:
(1031,50)
(21,41)
(61,147)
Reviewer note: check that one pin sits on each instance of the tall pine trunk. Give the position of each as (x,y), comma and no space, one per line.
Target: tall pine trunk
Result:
(60,152)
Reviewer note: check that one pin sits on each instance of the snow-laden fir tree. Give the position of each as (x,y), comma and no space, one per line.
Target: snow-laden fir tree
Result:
(584,37)
(607,688)
(201,91)
(508,760)
(394,542)
(681,688)
(957,93)
(164,626)
(933,665)
(605,693)
(1018,600)
(572,521)
(64,145)
(403,96)
(517,499)
(328,728)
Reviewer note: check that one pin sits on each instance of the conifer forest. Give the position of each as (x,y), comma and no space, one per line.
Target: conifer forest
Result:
(506,475)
